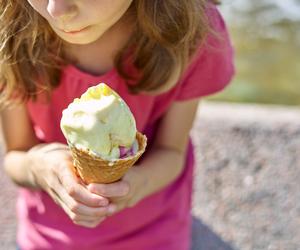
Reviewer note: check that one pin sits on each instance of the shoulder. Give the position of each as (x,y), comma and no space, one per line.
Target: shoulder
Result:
(215,17)
(217,44)
(212,65)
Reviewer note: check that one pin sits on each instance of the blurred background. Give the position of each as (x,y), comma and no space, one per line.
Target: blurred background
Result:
(266,36)
(247,137)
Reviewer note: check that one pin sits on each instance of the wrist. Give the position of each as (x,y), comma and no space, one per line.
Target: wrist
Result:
(146,187)
(31,163)
(161,167)
(18,168)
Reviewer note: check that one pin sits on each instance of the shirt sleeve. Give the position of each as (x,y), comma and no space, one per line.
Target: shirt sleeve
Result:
(213,64)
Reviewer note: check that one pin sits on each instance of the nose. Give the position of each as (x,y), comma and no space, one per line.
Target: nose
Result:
(61,10)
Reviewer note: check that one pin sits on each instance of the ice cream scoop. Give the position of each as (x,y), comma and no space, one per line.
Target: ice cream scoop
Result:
(101,122)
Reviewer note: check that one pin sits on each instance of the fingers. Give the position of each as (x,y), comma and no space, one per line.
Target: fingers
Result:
(82,195)
(79,192)
(83,220)
(57,178)
(116,189)
(83,211)
(83,207)
(78,213)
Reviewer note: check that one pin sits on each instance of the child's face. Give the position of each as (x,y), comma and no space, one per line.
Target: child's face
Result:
(81,21)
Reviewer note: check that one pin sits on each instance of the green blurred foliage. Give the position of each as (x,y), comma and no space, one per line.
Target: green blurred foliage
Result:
(267,48)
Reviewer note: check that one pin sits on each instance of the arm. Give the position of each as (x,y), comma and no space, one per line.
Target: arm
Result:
(166,160)
(164,163)
(19,137)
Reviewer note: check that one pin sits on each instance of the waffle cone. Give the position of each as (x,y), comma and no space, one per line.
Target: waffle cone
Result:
(93,169)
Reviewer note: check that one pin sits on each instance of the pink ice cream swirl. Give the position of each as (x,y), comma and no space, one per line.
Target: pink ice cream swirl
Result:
(126,152)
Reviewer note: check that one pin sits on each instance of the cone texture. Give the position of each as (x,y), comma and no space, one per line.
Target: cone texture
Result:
(93,169)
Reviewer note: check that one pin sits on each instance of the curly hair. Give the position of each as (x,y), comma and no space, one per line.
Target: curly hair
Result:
(31,54)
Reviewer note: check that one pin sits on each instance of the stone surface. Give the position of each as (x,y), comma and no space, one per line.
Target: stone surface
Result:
(246,192)
(7,212)
(247,175)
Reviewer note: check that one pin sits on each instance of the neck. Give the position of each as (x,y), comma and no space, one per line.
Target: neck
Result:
(98,57)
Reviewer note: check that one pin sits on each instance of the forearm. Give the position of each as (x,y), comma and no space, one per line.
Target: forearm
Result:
(17,167)
(160,167)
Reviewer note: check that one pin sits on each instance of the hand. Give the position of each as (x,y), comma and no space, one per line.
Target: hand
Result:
(51,167)
(127,192)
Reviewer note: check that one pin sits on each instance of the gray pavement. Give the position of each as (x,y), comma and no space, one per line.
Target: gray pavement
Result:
(246,192)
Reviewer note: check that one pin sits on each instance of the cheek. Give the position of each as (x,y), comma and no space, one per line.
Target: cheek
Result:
(109,10)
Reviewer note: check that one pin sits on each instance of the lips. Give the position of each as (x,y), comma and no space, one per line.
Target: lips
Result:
(75,31)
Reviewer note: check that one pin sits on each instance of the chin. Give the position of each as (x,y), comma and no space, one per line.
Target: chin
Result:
(82,41)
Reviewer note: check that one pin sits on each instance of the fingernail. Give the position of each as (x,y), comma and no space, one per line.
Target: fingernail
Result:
(89,187)
(126,190)
(111,209)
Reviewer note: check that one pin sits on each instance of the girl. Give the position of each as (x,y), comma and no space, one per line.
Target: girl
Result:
(161,57)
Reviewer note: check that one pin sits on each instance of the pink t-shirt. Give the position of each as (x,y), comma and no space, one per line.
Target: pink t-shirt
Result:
(159,222)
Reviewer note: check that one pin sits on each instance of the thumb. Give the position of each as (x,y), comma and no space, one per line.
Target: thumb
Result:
(116,189)
(75,187)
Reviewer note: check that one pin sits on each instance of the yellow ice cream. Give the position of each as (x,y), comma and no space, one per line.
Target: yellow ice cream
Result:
(99,121)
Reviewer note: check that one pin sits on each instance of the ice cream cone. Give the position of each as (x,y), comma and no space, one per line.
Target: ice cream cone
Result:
(93,169)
